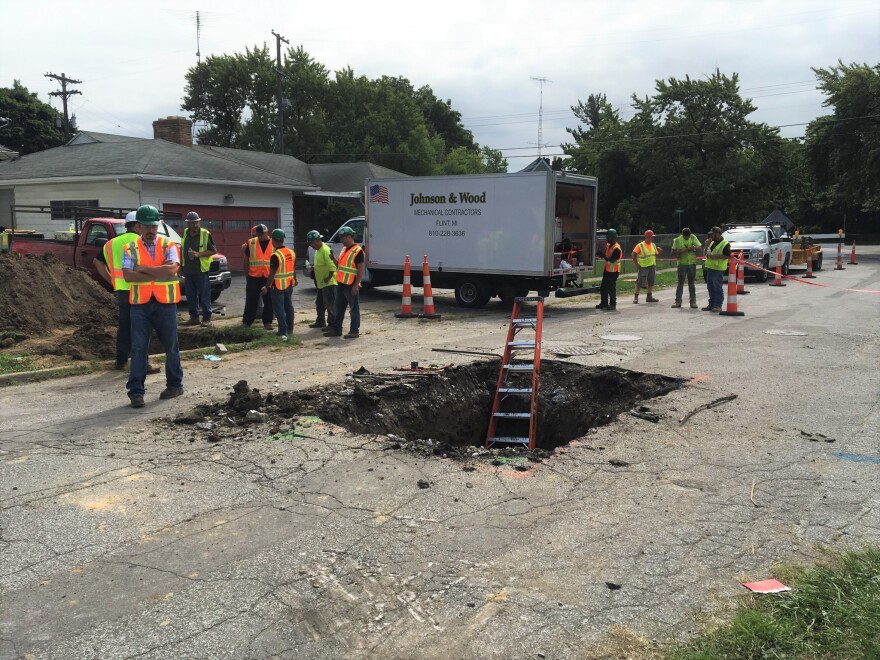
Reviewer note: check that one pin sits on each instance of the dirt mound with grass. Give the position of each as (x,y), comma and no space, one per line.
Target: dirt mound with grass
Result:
(39,295)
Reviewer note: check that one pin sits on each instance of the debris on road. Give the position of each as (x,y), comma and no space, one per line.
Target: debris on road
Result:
(706,406)
(771,586)
(643,412)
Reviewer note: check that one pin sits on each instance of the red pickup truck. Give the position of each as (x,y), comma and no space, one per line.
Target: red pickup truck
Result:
(85,244)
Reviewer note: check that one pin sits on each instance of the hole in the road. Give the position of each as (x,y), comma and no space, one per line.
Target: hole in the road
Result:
(452,407)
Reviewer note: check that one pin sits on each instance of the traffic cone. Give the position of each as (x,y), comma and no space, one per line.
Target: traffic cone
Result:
(809,274)
(406,302)
(428,312)
(732,309)
(778,281)
(852,256)
(839,256)
(741,277)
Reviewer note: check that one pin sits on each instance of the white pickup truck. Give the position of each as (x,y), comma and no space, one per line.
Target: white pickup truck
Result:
(759,245)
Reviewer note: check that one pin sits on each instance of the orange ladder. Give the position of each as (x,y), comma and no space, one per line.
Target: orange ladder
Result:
(511,376)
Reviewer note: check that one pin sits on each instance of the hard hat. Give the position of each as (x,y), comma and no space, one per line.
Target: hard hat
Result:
(258,230)
(346,231)
(611,233)
(130,218)
(278,233)
(714,229)
(192,216)
(649,233)
(313,236)
(147,215)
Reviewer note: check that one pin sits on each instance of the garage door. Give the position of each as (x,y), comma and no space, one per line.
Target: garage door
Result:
(230,226)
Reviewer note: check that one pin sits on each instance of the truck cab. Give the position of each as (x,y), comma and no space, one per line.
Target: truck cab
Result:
(760,245)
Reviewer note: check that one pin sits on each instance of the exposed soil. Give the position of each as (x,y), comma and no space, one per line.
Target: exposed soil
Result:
(445,412)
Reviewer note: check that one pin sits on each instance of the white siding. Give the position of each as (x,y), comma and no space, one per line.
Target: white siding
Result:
(108,193)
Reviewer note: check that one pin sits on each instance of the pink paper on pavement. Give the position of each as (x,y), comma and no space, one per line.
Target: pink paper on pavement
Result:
(766,586)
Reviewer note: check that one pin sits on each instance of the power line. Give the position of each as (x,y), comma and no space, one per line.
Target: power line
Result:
(64,94)
(279,76)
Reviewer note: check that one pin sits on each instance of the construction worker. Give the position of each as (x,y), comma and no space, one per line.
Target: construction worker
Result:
(108,263)
(612,256)
(324,274)
(282,279)
(149,264)
(258,251)
(717,253)
(685,247)
(644,256)
(349,273)
(196,252)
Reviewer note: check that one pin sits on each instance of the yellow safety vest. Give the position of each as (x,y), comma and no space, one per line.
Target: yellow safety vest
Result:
(165,291)
(682,243)
(4,241)
(285,276)
(346,271)
(609,251)
(113,253)
(204,262)
(646,255)
(717,264)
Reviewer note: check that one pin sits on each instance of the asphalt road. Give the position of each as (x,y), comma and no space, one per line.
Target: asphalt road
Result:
(125,537)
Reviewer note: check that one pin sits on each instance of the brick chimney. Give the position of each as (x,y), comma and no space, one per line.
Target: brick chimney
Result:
(174,129)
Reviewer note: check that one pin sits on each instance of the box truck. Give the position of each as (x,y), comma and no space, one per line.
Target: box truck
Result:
(485,235)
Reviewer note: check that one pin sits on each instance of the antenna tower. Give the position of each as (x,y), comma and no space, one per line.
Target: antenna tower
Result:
(541,82)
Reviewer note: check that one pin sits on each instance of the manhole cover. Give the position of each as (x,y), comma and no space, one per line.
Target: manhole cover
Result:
(567,351)
(786,333)
(620,337)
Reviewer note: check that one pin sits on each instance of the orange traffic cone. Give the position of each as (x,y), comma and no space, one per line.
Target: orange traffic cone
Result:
(839,256)
(809,275)
(406,302)
(428,312)
(852,256)
(732,309)
(741,277)
(778,281)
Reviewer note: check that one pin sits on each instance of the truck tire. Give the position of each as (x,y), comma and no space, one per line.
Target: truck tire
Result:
(817,264)
(762,274)
(215,295)
(471,292)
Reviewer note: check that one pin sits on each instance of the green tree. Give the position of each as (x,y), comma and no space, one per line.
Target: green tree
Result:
(31,125)
(843,148)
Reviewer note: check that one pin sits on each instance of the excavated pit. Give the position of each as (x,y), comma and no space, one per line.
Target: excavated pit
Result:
(451,406)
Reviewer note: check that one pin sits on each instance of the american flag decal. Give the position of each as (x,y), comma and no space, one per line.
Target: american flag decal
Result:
(379,194)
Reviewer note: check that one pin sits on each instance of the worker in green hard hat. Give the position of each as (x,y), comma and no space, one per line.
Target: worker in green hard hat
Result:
(612,256)
(282,279)
(324,275)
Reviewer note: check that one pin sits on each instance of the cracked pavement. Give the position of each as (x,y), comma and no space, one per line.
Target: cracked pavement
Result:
(122,538)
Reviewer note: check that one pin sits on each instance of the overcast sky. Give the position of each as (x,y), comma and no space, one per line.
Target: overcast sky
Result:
(481,54)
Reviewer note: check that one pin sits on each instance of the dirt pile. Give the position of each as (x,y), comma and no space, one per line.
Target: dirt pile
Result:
(41,294)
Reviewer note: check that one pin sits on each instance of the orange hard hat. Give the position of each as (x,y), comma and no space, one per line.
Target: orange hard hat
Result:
(649,233)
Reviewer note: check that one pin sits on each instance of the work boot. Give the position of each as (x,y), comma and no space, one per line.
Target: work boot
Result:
(354,334)
(635,300)
(333,333)
(137,401)
(153,369)
(676,304)
(652,299)
(693,304)
(267,327)
(171,392)
(707,308)
(193,320)
(206,323)
(317,324)
(611,308)
(601,306)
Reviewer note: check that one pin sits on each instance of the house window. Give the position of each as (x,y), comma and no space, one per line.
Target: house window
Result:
(65,210)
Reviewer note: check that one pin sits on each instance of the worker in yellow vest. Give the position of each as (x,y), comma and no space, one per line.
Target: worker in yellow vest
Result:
(612,256)
(685,247)
(149,264)
(644,256)
(258,251)
(108,263)
(349,273)
(717,254)
(197,250)
(282,279)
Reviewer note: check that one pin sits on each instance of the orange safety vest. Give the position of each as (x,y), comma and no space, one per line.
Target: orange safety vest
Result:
(258,258)
(611,267)
(285,276)
(166,291)
(346,271)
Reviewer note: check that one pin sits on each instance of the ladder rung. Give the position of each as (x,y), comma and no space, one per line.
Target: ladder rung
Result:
(520,367)
(508,440)
(519,391)
(521,344)
(512,415)
(524,322)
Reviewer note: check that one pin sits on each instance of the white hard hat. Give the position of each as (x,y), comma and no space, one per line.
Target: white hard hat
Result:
(131,217)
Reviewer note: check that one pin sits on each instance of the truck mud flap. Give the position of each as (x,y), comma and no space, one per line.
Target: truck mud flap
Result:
(578,291)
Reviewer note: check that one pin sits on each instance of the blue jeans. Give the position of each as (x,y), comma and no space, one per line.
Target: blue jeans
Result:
(282,304)
(144,319)
(687,272)
(345,298)
(714,283)
(198,295)
(123,329)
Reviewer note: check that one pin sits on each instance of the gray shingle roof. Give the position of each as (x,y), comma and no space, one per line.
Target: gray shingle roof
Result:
(348,177)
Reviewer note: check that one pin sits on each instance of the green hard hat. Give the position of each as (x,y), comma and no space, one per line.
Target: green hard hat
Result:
(147,215)
(346,231)
(313,236)
(611,233)
(278,233)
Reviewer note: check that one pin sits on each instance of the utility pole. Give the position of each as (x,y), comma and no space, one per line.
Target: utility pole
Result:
(64,94)
(541,114)
(279,75)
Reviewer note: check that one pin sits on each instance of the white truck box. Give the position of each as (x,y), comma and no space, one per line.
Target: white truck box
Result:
(484,235)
